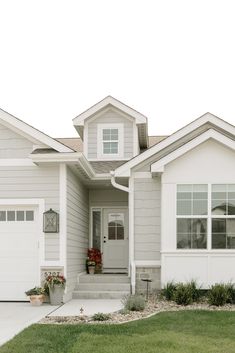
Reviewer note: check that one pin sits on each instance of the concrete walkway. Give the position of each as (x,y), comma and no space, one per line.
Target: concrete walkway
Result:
(90,307)
(14,317)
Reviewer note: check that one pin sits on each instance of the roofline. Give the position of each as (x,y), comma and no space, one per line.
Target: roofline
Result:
(28,130)
(79,120)
(124,170)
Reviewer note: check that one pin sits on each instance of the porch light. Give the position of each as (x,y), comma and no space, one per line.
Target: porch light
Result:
(50,221)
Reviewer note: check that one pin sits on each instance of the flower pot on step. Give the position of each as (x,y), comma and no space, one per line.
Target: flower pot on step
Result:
(91,270)
(37,300)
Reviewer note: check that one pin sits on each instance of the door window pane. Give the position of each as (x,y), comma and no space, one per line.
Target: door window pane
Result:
(11,216)
(116,226)
(96,229)
(20,215)
(29,215)
(2,216)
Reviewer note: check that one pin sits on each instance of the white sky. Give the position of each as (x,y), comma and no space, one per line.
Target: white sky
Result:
(170,60)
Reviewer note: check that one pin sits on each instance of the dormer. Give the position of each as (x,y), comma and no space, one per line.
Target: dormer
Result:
(111,130)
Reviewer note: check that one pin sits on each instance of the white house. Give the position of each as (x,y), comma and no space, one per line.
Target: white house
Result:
(161,207)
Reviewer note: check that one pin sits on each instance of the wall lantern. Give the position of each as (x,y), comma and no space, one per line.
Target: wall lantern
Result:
(50,221)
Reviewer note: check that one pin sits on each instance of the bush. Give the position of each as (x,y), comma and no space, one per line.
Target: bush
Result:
(101,317)
(218,294)
(195,291)
(168,291)
(231,293)
(183,294)
(134,303)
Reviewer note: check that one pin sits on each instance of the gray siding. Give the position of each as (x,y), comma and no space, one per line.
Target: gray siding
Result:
(108,197)
(109,118)
(38,183)
(147,201)
(13,145)
(77,228)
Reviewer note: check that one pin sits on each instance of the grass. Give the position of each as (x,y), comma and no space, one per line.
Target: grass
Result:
(175,332)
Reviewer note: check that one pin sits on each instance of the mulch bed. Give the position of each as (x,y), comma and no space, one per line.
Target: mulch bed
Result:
(153,306)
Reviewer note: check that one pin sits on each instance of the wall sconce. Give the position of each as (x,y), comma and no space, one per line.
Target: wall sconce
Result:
(50,221)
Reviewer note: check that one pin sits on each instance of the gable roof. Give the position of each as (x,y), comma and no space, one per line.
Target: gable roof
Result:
(31,133)
(109,100)
(200,125)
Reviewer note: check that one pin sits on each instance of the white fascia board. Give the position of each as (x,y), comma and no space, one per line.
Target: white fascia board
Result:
(158,166)
(206,118)
(55,157)
(29,132)
(79,120)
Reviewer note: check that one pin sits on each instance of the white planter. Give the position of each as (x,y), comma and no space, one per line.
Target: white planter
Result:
(56,294)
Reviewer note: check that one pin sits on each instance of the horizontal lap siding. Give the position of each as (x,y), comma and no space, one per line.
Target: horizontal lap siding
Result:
(147,199)
(13,145)
(110,118)
(77,228)
(37,183)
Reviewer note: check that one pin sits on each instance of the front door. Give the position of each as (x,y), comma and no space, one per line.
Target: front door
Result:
(115,239)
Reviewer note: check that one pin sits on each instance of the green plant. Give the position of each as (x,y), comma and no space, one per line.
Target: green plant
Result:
(134,302)
(53,280)
(231,293)
(183,294)
(101,317)
(35,291)
(168,291)
(218,294)
(195,291)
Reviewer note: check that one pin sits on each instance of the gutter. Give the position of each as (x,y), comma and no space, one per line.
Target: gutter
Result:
(130,191)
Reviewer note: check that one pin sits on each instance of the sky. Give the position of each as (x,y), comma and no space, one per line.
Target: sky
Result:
(171,60)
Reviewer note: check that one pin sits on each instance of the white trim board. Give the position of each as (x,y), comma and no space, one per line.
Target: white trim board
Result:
(209,134)
(124,170)
(30,132)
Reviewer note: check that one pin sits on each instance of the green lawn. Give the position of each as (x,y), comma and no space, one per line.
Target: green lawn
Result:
(175,332)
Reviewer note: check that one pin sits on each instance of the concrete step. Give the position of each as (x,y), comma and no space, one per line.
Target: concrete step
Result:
(103,278)
(103,287)
(99,294)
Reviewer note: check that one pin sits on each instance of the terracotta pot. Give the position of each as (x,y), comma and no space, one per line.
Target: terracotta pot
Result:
(91,270)
(37,300)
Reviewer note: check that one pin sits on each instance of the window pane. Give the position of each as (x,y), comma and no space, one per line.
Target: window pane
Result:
(231,207)
(29,215)
(106,134)
(2,216)
(20,215)
(218,233)
(114,134)
(218,207)
(114,147)
(199,207)
(106,148)
(184,207)
(185,188)
(11,215)
(191,233)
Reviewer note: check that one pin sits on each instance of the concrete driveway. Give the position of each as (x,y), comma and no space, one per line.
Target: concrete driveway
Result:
(14,317)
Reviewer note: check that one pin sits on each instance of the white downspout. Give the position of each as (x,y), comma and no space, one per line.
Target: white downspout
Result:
(130,190)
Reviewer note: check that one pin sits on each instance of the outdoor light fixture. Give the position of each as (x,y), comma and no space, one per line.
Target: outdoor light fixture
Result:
(50,221)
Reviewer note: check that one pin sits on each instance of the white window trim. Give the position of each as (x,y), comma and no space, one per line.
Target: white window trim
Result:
(209,218)
(100,154)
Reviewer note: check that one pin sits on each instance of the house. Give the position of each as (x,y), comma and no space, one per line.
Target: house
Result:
(159,207)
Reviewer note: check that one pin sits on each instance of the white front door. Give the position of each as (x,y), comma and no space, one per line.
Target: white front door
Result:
(115,239)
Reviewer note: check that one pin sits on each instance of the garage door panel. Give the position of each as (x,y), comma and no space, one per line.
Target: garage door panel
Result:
(19,256)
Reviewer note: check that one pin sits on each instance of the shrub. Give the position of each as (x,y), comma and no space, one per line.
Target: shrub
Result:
(134,303)
(101,317)
(218,294)
(168,291)
(183,294)
(195,291)
(231,293)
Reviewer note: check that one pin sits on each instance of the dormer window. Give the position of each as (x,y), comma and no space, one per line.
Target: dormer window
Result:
(110,141)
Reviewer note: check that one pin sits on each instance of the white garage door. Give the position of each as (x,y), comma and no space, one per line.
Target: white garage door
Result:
(19,253)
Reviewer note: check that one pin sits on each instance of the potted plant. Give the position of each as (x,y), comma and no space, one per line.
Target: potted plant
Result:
(91,267)
(95,255)
(55,284)
(36,295)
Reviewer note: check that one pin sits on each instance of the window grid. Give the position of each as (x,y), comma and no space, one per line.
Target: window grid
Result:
(110,140)
(16,215)
(210,216)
